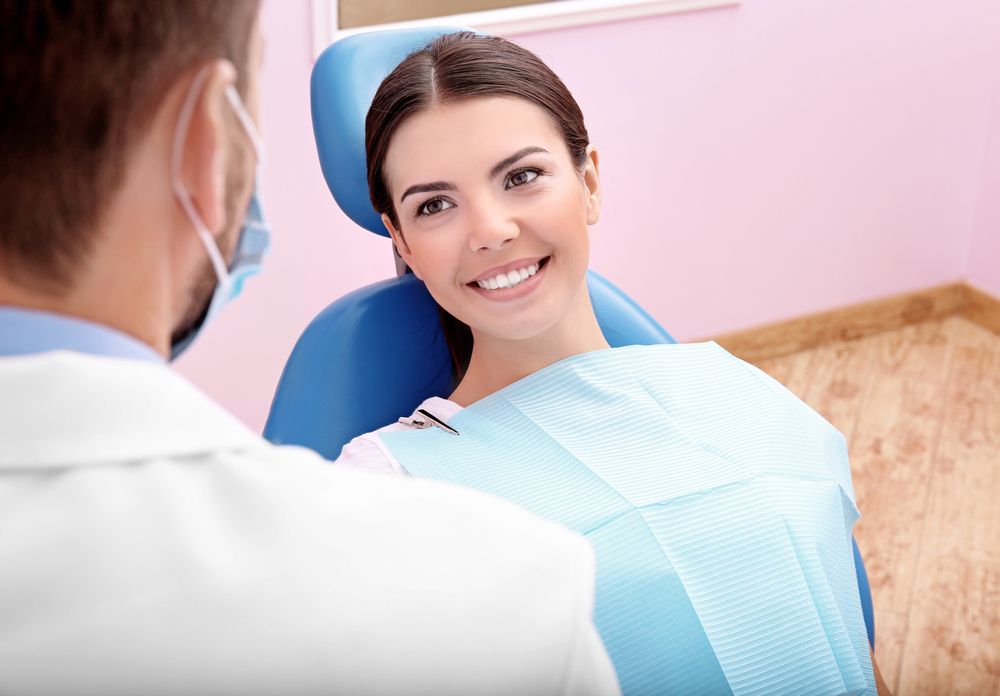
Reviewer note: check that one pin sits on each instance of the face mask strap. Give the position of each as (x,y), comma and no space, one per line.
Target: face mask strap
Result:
(253,240)
(248,125)
(183,123)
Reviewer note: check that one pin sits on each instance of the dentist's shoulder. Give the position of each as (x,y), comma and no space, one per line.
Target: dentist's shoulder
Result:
(173,550)
(475,595)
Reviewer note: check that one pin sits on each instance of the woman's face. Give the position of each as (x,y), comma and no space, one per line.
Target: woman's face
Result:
(492,213)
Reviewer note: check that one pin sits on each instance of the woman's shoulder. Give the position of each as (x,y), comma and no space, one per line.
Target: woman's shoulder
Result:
(708,363)
(708,374)
(367,452)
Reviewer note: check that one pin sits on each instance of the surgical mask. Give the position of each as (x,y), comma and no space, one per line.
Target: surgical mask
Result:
(254,237)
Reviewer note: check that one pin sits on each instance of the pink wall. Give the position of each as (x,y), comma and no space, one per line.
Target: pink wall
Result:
(984,251)
(759,163)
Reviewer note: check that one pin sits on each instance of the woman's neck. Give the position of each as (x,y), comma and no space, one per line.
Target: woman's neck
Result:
(497,363)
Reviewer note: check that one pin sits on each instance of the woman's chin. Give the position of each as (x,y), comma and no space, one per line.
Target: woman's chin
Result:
(530,326)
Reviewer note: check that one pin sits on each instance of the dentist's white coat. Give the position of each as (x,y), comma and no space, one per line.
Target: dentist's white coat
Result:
(150,544)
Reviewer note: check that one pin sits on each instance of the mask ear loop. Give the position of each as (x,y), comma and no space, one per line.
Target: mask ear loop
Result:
(183,122)
(248,125)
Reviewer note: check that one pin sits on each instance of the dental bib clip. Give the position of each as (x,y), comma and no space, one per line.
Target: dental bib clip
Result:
(429,421)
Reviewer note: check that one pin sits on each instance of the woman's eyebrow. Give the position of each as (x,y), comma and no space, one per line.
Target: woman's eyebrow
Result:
(507,161)
(425,188)
(494,172)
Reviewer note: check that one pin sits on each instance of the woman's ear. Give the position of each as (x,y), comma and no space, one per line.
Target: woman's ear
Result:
(592,182)
(204,148)
(402,248)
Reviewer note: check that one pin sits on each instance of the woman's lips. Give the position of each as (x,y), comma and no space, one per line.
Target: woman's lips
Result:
(507,268)
(512,293)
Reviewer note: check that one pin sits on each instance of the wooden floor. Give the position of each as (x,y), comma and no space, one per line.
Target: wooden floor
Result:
(920,407)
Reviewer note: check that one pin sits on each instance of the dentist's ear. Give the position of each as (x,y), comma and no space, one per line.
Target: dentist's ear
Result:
(592,182)
(204,148)
(402,248)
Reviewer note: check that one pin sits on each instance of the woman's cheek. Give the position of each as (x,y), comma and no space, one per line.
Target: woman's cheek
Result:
(436,258)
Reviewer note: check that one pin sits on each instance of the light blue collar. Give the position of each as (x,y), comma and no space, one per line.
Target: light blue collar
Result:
(28,331)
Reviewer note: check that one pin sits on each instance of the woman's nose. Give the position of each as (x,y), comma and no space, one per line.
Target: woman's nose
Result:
(490,228)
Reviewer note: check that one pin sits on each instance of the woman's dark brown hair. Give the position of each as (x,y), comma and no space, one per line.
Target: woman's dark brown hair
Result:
(454,67)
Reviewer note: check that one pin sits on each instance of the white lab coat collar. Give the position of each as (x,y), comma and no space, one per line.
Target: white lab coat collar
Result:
(64,409)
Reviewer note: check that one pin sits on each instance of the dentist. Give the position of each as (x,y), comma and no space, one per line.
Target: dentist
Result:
(149,542)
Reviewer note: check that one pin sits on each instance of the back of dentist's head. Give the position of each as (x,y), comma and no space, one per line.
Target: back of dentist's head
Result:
(81,83)
(455,67)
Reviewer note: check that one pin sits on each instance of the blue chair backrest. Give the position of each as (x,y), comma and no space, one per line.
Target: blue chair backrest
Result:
(376,353)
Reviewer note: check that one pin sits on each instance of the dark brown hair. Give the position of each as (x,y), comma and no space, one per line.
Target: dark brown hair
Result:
(80,80)
(453,67)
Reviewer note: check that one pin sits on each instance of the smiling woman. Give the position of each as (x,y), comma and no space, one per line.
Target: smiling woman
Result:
(719,506)
(535,148)
(518,201)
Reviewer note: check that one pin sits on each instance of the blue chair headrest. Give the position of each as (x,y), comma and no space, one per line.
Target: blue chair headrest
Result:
(344,81)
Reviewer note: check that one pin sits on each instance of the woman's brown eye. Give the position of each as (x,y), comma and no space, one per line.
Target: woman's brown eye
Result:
(521,178)
(433,207)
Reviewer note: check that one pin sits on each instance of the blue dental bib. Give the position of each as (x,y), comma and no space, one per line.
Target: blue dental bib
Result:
(719,507)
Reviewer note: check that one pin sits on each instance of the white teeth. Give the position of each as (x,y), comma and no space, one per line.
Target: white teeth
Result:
(508,280)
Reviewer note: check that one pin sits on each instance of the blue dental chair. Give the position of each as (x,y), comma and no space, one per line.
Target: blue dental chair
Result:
(378,352)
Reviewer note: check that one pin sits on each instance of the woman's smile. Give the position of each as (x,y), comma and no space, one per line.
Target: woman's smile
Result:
(512,281)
